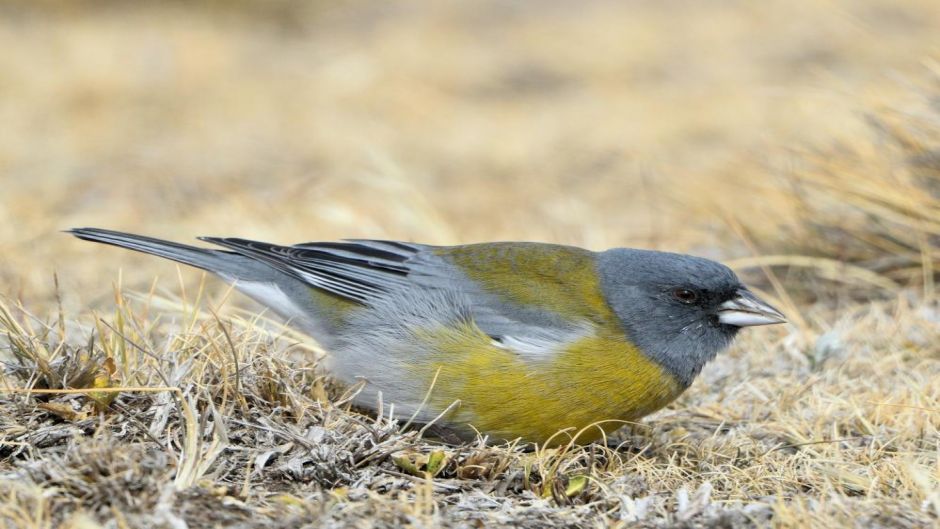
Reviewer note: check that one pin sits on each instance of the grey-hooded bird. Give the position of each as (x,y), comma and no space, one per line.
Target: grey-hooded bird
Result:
(508,339)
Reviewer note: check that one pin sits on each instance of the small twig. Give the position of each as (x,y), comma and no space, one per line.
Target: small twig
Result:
(427,396)
(231,344)
(420,480)
(128,415)
(439,415)
(79,391)
(828,441)
(160,374)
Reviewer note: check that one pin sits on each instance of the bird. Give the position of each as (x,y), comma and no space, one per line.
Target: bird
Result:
(538,342)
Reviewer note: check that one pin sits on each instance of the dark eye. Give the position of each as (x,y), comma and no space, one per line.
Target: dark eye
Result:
(685,295)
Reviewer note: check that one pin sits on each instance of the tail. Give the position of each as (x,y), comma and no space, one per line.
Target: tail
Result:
(284,294)
(216,261)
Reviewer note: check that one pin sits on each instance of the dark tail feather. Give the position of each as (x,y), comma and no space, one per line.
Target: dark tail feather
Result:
(216,261)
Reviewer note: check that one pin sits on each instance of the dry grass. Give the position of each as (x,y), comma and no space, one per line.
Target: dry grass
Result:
(805,154)
(866,214)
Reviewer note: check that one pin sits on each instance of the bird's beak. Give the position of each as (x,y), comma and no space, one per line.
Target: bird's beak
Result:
(745,309)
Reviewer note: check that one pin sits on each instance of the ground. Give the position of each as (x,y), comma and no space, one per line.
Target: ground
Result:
(799,142)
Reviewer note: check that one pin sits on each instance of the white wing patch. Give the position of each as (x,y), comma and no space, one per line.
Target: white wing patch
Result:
(269,295)
(543,344)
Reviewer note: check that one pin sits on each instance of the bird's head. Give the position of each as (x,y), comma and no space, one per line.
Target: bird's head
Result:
(678,309)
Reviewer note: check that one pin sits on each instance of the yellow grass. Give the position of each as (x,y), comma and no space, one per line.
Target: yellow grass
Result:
(797,141)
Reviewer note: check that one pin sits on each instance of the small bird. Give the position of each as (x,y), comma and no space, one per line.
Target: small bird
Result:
(513,340)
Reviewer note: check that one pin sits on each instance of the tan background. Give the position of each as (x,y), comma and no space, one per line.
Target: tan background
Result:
(806,129)
(591,123)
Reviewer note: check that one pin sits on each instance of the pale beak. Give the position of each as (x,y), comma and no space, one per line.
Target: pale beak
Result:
(745,309)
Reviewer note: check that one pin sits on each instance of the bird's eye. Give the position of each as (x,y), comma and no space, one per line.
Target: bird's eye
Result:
(685,295)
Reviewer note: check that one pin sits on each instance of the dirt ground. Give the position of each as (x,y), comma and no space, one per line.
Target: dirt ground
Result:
(797,141)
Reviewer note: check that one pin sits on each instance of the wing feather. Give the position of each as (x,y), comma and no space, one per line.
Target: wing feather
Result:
(374,272)
(360,271)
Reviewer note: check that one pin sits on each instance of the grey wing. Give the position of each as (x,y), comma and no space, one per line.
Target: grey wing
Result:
(405,288)
(360,271)
(371,272)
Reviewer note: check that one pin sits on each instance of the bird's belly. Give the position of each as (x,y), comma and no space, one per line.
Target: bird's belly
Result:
(592,386)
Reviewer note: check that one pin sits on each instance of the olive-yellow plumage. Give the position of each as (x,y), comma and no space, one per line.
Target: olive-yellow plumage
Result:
(561,279)
(511,340)
(583,385)
(599,380)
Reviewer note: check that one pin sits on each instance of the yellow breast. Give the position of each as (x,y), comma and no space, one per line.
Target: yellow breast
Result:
(601,380)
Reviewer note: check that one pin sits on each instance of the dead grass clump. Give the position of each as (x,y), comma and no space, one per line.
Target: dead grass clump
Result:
(92,476)
(215,419)
(863,216)
(211,416)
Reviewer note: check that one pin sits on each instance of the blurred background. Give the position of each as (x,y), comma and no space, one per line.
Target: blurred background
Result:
(801,130)
(796,140)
